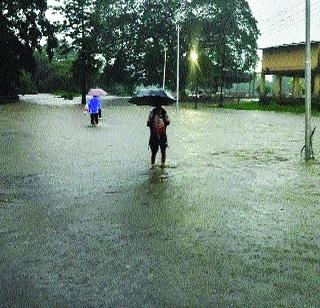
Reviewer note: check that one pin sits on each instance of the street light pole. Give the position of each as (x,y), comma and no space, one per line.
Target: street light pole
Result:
(195,65)
(164,68)
(178,62)
(308,150)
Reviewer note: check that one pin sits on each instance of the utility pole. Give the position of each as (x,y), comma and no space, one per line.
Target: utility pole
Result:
(164,67)
(195,65)
(178,62)
(308,150)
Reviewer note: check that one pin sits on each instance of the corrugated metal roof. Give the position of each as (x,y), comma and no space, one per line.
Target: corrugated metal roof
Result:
(289,45)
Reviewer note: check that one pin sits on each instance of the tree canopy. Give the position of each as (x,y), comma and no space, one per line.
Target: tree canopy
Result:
(131,36)
(223,33)
(22,24)
(79,27)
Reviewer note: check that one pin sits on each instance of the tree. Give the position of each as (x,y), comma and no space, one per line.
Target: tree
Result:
(22,24)
(227,32)
(133,35)
(157,31)
(54,76)
(80,26)
(120,21)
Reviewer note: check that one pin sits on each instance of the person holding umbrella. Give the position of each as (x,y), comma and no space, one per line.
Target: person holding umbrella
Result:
(97,92)
(94,105)
(158,118)
(157,122)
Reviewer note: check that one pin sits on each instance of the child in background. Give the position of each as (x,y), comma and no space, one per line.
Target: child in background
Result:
(94,105)
(99,111)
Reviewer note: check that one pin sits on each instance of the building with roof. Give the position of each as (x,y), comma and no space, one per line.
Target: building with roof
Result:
(289,61)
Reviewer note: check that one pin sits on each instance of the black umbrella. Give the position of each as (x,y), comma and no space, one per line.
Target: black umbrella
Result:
(152,97)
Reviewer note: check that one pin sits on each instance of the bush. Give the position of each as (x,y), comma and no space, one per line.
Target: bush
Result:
(66,94)
(27,85)
(120,90)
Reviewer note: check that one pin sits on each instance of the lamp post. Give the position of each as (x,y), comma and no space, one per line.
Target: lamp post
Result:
(179,17)
(164,68)
(195,64)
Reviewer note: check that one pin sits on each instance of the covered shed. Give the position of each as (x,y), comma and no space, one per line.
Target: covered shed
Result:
(289,61)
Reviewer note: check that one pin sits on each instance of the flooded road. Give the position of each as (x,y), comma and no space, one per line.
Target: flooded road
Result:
(233,219)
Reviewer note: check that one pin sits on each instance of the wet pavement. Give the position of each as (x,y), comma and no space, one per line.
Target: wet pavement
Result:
(232,220)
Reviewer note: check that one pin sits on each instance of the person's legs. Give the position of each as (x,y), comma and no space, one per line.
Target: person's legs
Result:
(153,155)
(92,118)
(163,147)
(163,155)
(154,147)
(95,118)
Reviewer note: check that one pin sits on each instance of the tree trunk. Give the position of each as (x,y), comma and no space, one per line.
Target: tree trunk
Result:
(83,86)
(83,61)
(221,96)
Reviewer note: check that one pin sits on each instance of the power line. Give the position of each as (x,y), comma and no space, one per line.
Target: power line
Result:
(289,18)
(281,12)
(286,23)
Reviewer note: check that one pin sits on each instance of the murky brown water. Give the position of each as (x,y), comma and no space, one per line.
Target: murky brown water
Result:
(233,220)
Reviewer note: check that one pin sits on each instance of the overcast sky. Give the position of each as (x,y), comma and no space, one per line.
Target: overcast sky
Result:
(279,21)
(283,21)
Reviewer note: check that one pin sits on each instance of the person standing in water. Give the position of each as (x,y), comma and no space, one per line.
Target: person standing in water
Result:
(157,122)
(99,110)
(94,105)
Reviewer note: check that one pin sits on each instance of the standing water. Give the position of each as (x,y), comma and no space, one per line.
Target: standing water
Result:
(232,220)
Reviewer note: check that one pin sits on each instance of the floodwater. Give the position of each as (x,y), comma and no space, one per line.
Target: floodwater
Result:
(232,220)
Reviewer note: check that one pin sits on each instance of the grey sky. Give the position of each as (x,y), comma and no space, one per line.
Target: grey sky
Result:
(283,22)
(279,21)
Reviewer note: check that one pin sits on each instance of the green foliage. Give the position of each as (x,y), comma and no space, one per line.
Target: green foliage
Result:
(55,75)
(134,34)
(226,32)
(157,31)
(80,26)
(287,86)
(120,89)
(64,68)
(27,85)
(66,94)
(272,106)
(22,24)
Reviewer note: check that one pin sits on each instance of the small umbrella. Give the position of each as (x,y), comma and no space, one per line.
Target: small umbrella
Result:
(152,97)
(97,92)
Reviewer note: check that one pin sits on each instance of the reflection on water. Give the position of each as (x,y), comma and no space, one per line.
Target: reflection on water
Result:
(157,174)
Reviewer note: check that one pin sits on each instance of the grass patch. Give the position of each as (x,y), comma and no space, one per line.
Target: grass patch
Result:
(250,105)
(200,105)
(273,106)
(265,107)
